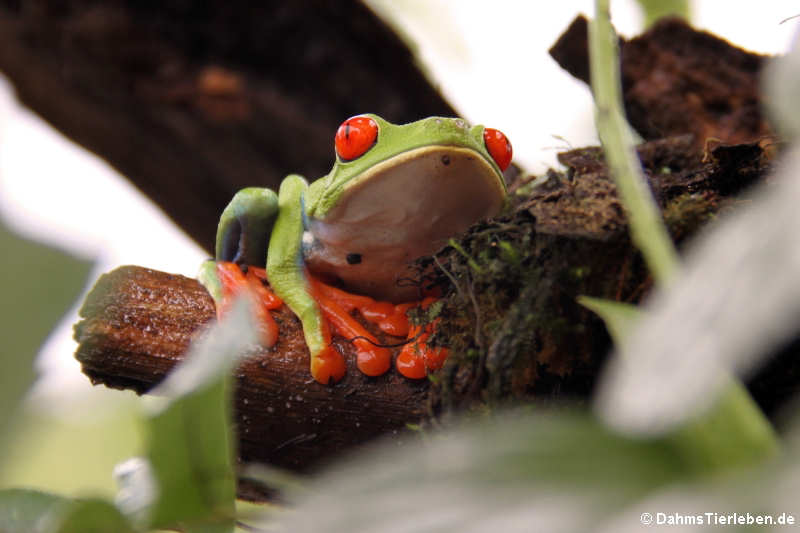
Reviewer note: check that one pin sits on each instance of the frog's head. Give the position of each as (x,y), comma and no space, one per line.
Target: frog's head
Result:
(370,149)
(398,192)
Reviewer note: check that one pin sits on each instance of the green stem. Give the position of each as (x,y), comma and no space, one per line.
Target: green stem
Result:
(647,229)
(656,9)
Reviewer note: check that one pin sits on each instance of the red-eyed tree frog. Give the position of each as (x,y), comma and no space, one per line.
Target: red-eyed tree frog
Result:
(395,193)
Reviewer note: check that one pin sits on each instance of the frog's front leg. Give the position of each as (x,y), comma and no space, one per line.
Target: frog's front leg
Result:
(258,227)
(289,280)
(242,236)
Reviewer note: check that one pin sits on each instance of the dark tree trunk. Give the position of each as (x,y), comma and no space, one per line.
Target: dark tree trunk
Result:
(192,101)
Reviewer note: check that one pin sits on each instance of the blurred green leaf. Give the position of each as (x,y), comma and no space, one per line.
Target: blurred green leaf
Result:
(189,481)
(191,439)
(781,81)
(38,284)
(30,511)
(619,317)
(191,456)
(656,9)
(92,441)
(27,511)
(91,516)
(554,471)
(732,432)
(735,302)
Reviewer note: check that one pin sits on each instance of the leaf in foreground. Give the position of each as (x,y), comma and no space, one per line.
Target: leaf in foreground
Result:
(31,511)
(27,511)
(736,299)
(38,284)
(191,449)
(781,83)
(728,433)
(556,471)
(92,516)
(620,318)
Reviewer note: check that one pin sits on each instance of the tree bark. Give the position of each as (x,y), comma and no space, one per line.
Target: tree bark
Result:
(138,323)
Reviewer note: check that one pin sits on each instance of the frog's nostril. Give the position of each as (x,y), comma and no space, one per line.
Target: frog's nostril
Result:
(353,259)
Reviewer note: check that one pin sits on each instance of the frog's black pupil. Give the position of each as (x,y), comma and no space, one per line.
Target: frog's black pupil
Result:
(446,160)
(353,259)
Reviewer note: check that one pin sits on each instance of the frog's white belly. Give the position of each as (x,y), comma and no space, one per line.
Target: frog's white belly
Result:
(398,212)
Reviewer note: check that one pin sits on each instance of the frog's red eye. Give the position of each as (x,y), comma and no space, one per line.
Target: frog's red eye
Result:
(499,147)
(355,136)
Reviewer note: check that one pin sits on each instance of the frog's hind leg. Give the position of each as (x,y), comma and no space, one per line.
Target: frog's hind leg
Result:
(290,282)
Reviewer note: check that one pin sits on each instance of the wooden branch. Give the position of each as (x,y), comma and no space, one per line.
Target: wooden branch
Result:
(137,324)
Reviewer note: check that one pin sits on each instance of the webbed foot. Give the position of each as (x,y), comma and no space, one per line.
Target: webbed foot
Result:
(414,361)
(226,281)
(417,358)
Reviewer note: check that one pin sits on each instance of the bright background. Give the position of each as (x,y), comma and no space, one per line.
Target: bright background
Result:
(490,62)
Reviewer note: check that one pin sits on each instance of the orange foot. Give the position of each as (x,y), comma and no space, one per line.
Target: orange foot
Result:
(415,360)
(234,281)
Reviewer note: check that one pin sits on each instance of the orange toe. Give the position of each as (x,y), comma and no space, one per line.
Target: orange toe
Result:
(410,364)
(328,366)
